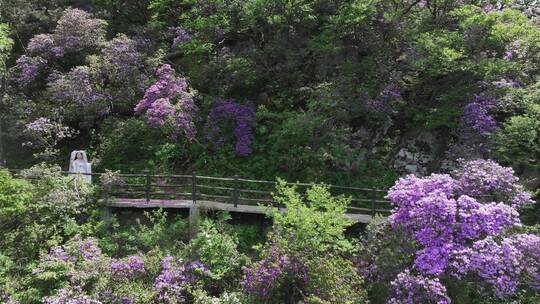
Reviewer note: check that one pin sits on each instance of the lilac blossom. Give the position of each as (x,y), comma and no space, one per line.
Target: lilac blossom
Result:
(79,87)
(175,276)
(411,289)
(486,179)
(123,56)
(262,277)
(127,268)
(179,36)
(70,296)
(40,44)
(28,69)
(457,231)
(168,102)
(507,83)
(77,30)
(476,115)
(241,116)
(46,134)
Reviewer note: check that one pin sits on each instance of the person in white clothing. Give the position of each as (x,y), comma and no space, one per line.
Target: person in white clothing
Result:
(78,163)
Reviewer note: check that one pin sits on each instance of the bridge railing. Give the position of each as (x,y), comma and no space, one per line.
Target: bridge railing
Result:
(232,190)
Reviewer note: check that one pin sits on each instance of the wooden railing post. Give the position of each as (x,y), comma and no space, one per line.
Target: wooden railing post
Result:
(236,191)
(373,197)
(194,187)
(193,210)
(148,180)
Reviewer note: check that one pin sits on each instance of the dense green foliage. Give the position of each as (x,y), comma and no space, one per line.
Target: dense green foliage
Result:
(350,92)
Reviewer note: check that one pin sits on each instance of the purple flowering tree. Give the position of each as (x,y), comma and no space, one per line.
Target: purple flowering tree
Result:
(179,36)
(123,57)
(79,88)
(45,135)
(173,282)
(168,102)
(276,269)
(476,115)
(242,117)
(28,69)
(75,31)
(87,275)
(461,226)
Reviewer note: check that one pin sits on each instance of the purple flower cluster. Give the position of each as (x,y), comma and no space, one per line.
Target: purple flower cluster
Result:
(168,101)
(476,115)
(122,54)
(455,232)
(77,30)
(45,132)
(70,296)
(174,278)
(179,35)
(411,289)
(497,265)
(266,274)
(78,87)
(486,179)
(127,268)
(242,116)
(44,45)
(385,101)
(28,69)
(507,83)
(78,250)
(7,299)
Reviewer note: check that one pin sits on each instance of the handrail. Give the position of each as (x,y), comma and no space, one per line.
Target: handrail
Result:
(232,190)
(221,179)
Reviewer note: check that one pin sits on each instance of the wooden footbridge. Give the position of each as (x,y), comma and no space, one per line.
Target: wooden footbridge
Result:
(233,194)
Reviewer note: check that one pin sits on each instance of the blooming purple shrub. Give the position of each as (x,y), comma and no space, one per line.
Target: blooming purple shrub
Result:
(77,87)
(122,55)
(28,69)
(458,235)
(77,30)
(46,134)
(168,102)
(243,119)
(485,179)
(127,268)
(171,284)
(476,115)
(77,250)
(264,275)
(179,35)
(409,289)
(70,296)
(44,45)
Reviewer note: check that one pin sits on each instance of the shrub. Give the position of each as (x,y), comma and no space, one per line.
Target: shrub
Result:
(305,257)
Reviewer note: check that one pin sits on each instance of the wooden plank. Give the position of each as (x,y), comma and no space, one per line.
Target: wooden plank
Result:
(184,204)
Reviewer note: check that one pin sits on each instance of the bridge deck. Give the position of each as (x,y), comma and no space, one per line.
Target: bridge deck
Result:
(186,204)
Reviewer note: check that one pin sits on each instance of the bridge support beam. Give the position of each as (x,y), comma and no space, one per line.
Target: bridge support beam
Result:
(106,215)
(194,217)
